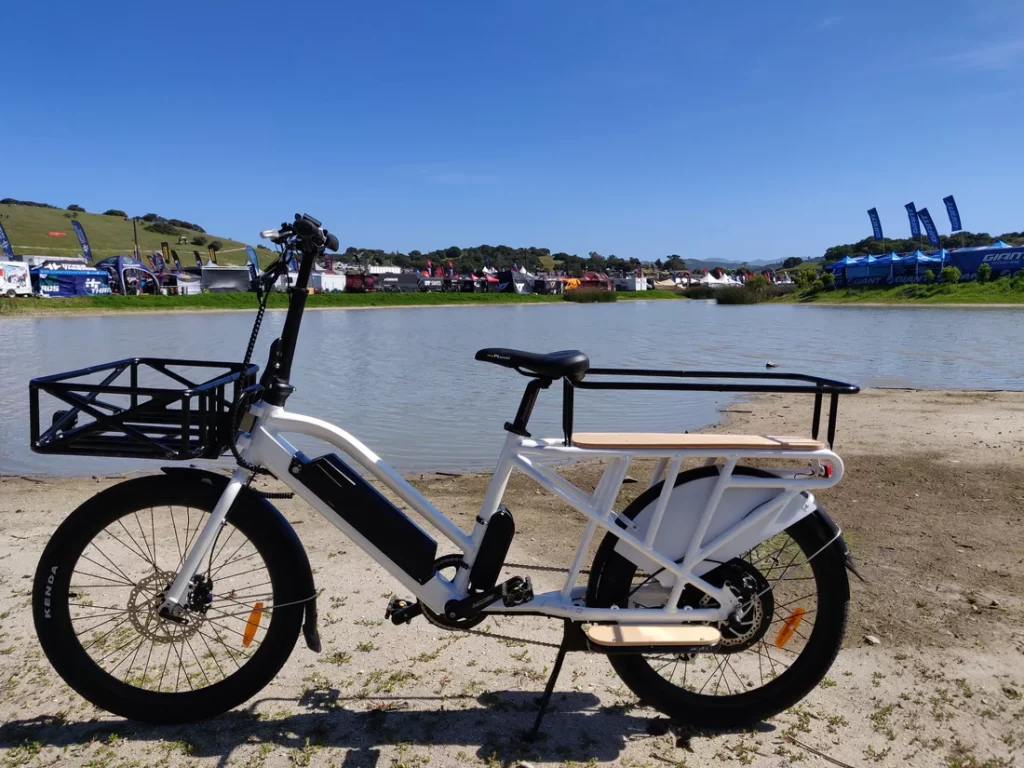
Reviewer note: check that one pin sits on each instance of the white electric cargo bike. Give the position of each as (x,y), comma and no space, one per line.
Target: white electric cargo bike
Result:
(719,595)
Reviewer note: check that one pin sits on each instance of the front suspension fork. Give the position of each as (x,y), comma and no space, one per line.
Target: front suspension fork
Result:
(176,597)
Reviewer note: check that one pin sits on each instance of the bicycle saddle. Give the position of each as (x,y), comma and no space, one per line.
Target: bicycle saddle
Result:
(570,363)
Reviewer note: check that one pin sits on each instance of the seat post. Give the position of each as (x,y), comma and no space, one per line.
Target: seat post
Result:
(567,410)
(518,427)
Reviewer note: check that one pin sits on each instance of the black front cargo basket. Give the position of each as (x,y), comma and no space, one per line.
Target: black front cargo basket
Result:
(179,419)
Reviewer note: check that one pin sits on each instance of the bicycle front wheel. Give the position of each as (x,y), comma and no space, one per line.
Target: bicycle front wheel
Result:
(102,578)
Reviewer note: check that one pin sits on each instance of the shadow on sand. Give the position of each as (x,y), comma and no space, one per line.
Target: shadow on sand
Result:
(573,729)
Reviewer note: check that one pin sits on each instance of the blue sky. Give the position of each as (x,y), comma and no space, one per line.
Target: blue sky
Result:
(737,130)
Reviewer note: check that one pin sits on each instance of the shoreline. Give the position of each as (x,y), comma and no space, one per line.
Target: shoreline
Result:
(910,304)
(19,310)
(105,312)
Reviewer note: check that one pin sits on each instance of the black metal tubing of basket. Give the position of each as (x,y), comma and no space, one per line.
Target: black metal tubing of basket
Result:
(803,384)
(206,421)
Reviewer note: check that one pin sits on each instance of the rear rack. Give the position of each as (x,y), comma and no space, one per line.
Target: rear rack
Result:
(802,384)
(182,421)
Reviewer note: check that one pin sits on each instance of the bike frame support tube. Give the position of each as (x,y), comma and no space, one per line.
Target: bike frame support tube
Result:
(693,549)
(201,548)
(659,470)
(603,502)
(659,510)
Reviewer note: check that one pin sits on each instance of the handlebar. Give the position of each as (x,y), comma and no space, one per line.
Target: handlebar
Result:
(305,235)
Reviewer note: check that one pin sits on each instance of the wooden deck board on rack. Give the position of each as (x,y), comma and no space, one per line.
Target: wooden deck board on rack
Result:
(644,636)
(660,440)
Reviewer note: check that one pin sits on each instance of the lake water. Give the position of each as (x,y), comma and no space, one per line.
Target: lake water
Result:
(405,382)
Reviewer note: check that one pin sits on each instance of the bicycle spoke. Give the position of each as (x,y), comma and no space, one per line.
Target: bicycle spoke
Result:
(243,573)
(218,569)
(152,529)
(142,641)
(177,541)
(223,545)
(97,576)
(136,550)
(149,658)
(255,643)
(94,627)
(106,634)
(119,648)
(123,580)
(198,662)
(722,661)
(163,671)
(233,653)
(212,654)
(142,531)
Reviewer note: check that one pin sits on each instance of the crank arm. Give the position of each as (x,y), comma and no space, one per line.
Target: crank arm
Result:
(513,592)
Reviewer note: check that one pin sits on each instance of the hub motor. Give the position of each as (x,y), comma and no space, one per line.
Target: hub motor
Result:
(753,616)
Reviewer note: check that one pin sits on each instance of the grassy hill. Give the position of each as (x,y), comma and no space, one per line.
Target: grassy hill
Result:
(28,228)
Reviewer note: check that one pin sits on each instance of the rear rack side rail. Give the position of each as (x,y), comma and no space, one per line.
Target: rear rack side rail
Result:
(803,384)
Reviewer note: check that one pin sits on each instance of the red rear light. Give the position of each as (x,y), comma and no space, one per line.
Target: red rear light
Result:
(828,470)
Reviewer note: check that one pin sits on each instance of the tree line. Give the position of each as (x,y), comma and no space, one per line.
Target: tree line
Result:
(499,257)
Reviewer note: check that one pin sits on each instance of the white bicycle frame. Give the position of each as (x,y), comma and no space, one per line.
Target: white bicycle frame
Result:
(267,447)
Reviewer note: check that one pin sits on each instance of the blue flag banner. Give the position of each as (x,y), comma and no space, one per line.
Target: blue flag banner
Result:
(83,240)
(5,244)
(915,225)
(954,214)
(254,262)
(876,224)
(929,226)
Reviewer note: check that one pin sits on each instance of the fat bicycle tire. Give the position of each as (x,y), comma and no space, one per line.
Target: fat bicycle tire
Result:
(57,635)
(612,577)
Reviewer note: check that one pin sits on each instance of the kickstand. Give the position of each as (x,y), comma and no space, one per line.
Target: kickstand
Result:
(573,639)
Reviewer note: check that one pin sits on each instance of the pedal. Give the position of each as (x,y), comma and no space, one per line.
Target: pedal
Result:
(402,611)
(516,591)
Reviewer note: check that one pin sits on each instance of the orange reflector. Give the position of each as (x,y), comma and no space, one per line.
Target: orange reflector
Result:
(789,626)
(253,624)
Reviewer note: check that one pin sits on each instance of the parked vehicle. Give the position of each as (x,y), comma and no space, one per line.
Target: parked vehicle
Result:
(359,282)
(719,596)
(14,279)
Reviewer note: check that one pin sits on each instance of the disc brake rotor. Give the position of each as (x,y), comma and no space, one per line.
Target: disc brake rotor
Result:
(143,602)
(756,604)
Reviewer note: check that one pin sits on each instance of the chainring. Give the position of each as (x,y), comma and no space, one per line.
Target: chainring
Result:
(451,563)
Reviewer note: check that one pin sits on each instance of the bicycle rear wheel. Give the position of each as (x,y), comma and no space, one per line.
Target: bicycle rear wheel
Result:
(797,592)
(101,580)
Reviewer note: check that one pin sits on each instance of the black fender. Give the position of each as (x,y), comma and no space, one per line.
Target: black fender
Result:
(833,532)
(289,541)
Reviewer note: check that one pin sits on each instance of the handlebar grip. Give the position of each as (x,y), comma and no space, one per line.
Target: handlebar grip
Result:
(332,241)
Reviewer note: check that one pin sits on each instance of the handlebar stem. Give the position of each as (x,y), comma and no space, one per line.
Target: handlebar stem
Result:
(279,368)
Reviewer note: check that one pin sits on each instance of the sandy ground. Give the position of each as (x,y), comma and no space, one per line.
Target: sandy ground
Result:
(932,506)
